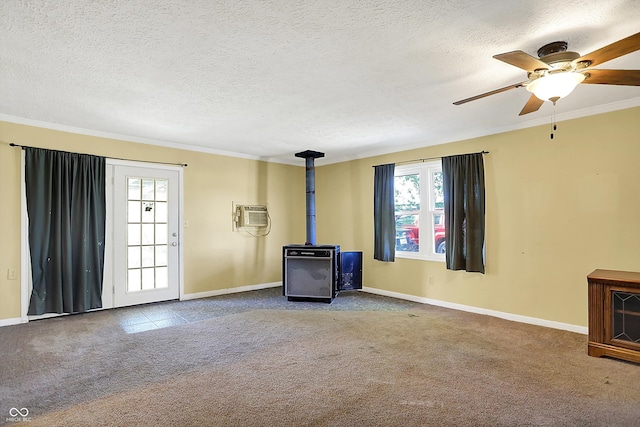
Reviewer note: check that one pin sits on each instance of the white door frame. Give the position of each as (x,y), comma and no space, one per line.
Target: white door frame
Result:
(107,293)
(118,219)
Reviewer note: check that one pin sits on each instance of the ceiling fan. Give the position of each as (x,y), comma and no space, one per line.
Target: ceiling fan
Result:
(558,71)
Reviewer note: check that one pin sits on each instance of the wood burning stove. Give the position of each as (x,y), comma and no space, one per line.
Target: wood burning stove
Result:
(310,271)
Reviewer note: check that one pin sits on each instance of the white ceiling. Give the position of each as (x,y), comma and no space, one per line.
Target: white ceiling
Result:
(266,79)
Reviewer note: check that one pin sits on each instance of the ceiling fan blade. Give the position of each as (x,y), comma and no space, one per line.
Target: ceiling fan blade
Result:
(493,92)
(533,104)
(612,51)
(613,77)
(522,60)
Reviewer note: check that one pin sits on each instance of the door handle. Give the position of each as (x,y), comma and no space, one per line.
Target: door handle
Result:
(174,244)
(174,234)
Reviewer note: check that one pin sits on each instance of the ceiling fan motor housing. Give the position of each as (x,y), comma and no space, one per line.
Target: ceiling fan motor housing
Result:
(556,55)
(560,60)
(555,58)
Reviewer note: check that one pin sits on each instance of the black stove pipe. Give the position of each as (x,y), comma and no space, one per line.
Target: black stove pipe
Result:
(309,157)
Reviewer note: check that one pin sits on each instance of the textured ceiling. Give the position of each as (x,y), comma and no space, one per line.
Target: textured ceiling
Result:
(266,79)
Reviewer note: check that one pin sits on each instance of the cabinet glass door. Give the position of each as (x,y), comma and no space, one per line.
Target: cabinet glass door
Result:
(626,316)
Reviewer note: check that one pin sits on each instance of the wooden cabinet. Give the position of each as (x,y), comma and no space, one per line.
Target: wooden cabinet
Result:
(614,314)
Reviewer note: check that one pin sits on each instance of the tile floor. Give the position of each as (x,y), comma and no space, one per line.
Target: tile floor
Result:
(148,317)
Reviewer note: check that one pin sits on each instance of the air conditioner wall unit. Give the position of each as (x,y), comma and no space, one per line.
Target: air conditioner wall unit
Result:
(252,216)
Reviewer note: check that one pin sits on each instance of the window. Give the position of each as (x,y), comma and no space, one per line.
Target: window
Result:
(419,211)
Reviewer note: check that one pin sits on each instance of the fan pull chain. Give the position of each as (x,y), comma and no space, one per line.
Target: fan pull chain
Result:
(553,121)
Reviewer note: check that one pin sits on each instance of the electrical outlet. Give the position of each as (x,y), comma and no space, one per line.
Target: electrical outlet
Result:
(12,274)
(432,281)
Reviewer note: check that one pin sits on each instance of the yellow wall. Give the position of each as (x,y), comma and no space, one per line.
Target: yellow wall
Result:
(215,257)
(556,210)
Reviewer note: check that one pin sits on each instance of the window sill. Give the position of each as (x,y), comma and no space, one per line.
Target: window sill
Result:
(418,256)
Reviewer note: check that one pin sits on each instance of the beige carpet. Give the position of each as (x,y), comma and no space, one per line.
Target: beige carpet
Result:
(425,366)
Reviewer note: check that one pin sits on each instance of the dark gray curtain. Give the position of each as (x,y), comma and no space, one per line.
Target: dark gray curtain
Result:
(66,207)
(384,221)
(464,208)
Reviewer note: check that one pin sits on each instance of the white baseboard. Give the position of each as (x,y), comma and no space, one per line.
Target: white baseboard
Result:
(507,316)
(12,321)
(226,291)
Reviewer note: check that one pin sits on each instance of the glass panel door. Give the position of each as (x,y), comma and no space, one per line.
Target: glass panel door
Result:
(145,235)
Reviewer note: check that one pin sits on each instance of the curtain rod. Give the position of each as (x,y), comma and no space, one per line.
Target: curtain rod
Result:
(114,158)
(433,158)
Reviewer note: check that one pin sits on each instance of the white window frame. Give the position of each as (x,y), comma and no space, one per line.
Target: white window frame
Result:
(427,210)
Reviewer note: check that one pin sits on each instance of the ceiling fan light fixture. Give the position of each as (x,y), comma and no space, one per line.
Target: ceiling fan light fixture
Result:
(552,87)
